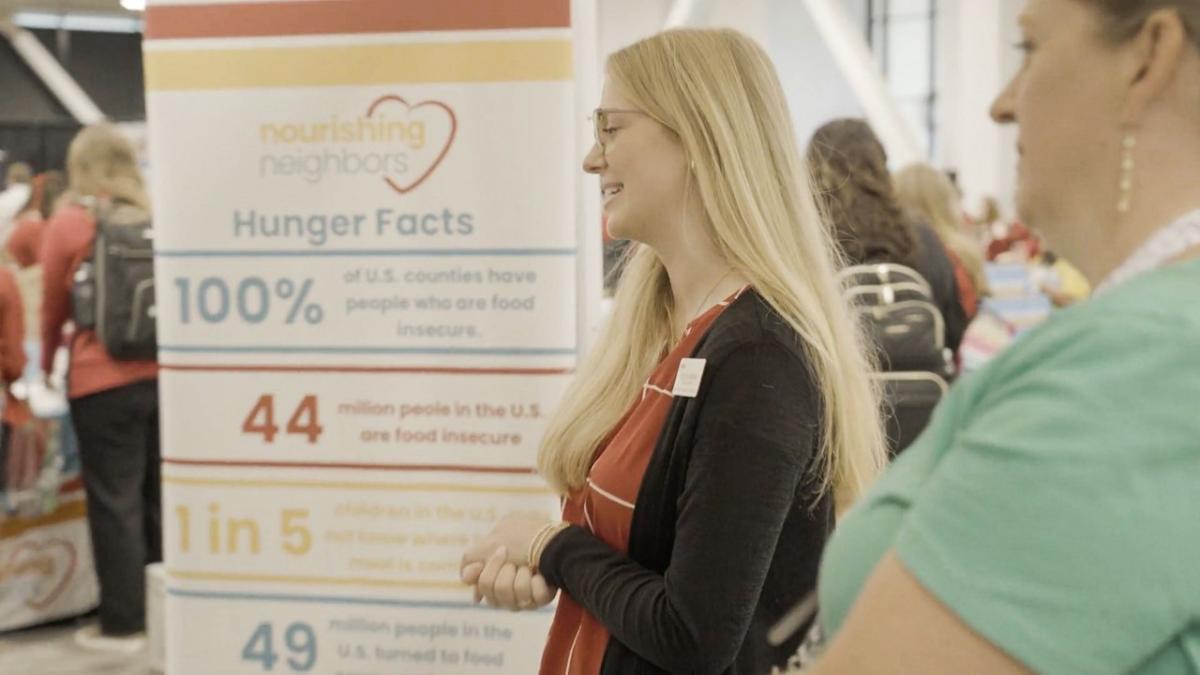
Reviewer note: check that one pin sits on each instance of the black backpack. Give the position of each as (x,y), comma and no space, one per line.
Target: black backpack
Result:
(896,306)
(113,289)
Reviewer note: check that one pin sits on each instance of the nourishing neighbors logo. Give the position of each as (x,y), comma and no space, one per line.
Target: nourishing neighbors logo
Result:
(395,141)
(37,572)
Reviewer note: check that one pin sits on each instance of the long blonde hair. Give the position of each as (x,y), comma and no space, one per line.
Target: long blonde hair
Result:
(718,92)
(102,163)
(928,193)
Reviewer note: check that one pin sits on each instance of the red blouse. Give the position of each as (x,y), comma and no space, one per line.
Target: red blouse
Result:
(605,505)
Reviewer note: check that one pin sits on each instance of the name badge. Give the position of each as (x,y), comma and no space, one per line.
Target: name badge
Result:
(687,380)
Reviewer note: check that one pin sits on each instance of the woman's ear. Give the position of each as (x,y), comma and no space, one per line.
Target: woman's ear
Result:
(1156,53)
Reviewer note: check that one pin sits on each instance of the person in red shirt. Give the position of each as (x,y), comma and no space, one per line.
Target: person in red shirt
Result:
(25,242)
(20,468)
(1018,238)
(24,246)
(20,295)
(114,404)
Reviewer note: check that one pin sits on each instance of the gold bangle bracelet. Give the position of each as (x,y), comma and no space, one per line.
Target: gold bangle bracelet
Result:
(549,533)
(535,544)
(535,548)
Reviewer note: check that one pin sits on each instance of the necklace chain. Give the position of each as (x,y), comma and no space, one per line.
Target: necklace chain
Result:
(696,312)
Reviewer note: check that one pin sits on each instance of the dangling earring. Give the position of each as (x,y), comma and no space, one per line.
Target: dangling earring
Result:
(1125,198)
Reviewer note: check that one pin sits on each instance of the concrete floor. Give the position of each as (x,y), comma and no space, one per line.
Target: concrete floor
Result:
(51,650)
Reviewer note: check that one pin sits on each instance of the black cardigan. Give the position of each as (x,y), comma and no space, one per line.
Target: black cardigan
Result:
(730,518)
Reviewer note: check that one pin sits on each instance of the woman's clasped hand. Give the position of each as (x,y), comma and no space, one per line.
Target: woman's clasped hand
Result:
(499,569)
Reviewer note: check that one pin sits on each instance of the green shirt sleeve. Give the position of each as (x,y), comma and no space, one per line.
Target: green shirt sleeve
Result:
(1063,522)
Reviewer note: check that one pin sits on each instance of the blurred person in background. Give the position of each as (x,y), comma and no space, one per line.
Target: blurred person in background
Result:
(853,184)
(20,466)
(17,189)
(24,246)
(24,242)
(21,294)
(114,404)
(1047,521)
(989,224)
(1061,281)
(928,193)
(1018,244)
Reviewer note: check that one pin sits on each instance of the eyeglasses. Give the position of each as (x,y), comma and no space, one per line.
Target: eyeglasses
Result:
(600,128)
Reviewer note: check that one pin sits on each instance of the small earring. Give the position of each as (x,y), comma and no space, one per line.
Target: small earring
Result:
(1125,198)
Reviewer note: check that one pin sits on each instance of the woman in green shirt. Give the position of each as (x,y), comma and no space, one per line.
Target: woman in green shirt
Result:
(1049,518)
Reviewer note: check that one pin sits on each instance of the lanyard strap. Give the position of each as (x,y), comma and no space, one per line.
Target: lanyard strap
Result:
(1163,245)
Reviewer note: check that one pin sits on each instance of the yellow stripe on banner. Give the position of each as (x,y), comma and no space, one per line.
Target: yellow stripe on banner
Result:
(313,581)
(496,61)
(344,485)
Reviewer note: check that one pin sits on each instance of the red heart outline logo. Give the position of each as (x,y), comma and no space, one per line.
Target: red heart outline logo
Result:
(39,562)
(403,189)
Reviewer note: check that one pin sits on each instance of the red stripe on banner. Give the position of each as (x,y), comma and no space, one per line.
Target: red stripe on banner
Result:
(334,465)
(365,369)
(326,17)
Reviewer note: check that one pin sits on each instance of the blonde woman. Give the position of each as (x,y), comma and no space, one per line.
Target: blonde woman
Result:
(726,415)
(928,193)
(114,404)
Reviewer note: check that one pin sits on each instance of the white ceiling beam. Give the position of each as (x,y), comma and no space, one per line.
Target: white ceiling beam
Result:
(853,56)
(52,74)
(687,13)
